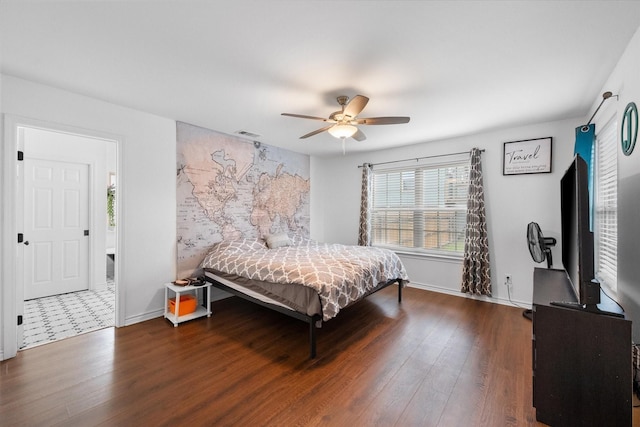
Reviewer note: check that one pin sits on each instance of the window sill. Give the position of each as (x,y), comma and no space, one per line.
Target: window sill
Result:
(425,255)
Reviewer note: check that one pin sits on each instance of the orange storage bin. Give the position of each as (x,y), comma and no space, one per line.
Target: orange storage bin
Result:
(188,304)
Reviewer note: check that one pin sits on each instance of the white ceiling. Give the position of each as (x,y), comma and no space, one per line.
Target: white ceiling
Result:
(454,67)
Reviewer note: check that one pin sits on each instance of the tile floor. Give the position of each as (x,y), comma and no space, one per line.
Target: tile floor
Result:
(61,316)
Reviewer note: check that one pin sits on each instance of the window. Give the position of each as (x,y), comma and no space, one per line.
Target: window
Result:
(421,208)
(606,205)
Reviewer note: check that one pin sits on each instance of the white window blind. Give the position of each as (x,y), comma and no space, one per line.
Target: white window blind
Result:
(421,208)
(606,205)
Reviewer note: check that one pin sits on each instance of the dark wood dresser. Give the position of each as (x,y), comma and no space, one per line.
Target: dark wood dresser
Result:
(582,361)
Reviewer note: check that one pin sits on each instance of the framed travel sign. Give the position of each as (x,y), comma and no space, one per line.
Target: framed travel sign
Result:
(527,156)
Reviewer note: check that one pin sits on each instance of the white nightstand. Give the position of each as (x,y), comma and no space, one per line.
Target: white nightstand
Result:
(194,290)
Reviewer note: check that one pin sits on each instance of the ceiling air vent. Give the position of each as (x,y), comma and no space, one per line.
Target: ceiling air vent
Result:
(247,134)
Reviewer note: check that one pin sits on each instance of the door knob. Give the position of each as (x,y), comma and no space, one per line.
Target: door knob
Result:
(26,242)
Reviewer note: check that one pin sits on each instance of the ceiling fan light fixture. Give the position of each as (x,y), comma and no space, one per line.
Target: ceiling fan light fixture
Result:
(343,131)
(342,123)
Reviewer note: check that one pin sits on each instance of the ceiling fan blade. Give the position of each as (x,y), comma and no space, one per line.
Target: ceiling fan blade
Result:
(359,136)
(355,106)
(315,132)
(302,116)
(381,121)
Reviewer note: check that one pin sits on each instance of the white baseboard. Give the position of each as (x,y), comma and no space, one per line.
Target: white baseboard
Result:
(217,295)
(448,291)
(143,317)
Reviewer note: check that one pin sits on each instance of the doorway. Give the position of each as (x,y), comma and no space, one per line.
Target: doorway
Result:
(68,238)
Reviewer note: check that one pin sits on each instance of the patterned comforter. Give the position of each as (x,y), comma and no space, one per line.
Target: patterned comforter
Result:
(340,274)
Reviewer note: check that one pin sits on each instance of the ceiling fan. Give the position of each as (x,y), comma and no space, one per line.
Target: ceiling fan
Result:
(344,122)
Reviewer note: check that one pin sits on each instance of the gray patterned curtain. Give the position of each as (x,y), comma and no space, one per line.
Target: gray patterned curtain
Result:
(476,274)
(364,232)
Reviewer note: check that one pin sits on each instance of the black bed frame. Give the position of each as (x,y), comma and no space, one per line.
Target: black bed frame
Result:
(311,320)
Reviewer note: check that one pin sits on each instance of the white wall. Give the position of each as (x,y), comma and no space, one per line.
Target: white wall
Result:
(146,177)
(511,202)
(625,82)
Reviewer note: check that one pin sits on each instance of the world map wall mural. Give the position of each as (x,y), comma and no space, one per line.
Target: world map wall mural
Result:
(229,188)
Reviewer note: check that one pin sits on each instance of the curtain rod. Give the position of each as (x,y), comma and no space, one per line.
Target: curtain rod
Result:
(605,96)
(420,158)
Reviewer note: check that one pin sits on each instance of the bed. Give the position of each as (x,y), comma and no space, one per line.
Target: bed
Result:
(301,278)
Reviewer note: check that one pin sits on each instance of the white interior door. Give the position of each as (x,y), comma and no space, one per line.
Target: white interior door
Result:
(56,227)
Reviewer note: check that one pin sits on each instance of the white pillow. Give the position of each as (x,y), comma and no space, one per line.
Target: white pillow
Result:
(277,240)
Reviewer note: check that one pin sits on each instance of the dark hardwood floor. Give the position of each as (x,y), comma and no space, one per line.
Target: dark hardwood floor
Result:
(433,360)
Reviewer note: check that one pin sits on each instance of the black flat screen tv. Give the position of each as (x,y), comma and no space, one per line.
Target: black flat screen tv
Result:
(577,238)
(577,241)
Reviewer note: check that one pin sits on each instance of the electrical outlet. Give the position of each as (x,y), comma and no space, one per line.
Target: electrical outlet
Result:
(507,280)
